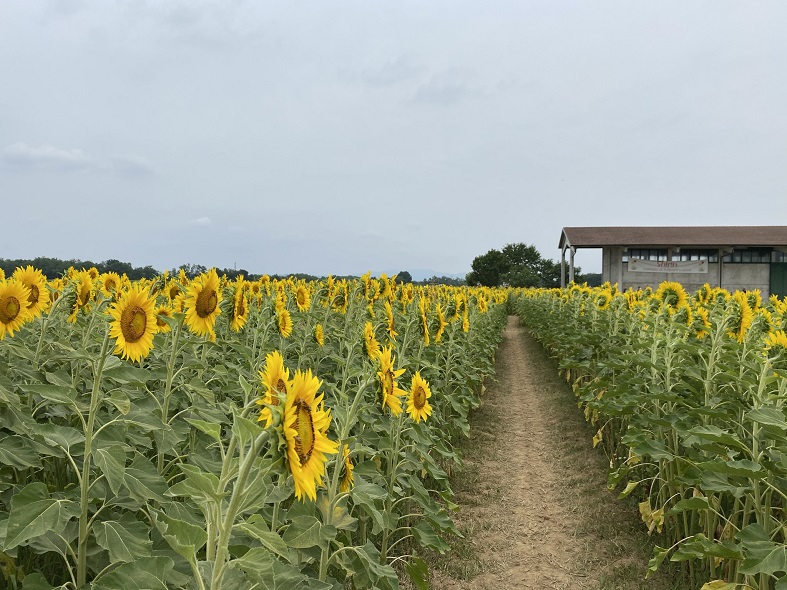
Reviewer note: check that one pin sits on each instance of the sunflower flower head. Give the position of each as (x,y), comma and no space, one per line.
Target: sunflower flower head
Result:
(319,335)
(14,310)
(701,325)
(275,378)
(201,303)
(391,393)
(775,349)
(133,323)
(303,298)
(741,316)
(284,322)
(346,478)
(305,428)
(418,406)
(371,345)
(35,281)
(671,296)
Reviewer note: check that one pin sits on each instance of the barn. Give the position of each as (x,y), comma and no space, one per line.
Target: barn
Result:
(732,257)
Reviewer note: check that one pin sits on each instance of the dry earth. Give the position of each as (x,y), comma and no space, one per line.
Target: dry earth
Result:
(535,510)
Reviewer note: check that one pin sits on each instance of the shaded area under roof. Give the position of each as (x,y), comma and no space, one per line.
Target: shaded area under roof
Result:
(701,236)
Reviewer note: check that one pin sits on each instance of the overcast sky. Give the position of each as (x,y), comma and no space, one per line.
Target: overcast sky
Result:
(341,137)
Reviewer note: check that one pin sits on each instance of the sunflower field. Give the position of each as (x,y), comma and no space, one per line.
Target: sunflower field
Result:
(211,434)
(687,393)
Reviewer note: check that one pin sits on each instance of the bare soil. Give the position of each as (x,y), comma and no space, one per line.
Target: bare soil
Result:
(534,505)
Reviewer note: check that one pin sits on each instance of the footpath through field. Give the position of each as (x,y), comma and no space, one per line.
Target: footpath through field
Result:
(533,497)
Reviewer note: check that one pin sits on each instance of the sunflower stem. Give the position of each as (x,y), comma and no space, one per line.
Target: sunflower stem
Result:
(85,480)
(168,389)
(394,464)
(238,492)
(44,322)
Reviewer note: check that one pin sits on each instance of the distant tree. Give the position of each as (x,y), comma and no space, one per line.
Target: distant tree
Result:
(404,277)
(517,265)
(488,269)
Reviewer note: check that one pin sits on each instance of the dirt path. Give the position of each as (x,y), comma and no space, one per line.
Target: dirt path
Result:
(525,485)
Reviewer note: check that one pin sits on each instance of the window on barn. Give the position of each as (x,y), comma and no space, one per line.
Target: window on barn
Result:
(645,254)
(748,255)
(696,254)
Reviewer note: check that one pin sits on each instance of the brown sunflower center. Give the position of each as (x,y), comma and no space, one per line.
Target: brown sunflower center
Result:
(419,397)
(301,298)
(133,321)
(84,295)
(9,309)
(32,299)
(304,426)
(207,300)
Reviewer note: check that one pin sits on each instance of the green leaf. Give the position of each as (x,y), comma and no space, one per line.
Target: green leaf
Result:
(62,436)
(761,554)
(210,428)
(35,581)
(688,504)
(659,554)
(143,481)
(303,532)
(17,452)
(52,393)
(146,573)
(427,537)
(119,399)
(768,417)
(202,487)
(185,538)
(111,460)
(720,585)
(34,513)
(125,540)
(419,573)
(257,528)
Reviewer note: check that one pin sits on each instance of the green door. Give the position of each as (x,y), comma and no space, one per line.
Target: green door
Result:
(779,279)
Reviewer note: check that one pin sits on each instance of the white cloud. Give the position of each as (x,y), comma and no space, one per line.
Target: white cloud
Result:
(45,157)
(201,221)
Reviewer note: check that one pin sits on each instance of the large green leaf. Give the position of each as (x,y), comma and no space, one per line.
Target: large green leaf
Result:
(257,528)
(185,538)
(34,512)
(143,481)
(111,460)
(303,532)
(146,573)
(17,452)
(125,540)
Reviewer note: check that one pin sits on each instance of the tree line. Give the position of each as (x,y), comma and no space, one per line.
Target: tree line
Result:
(519,265)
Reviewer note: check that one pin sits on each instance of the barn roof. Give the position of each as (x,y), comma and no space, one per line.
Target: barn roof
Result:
(694,236)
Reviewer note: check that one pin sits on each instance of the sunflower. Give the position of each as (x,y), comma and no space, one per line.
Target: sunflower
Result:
(83,293)
(173,290)
(392,333)
(110,284)
(371,345)
(423,305)
(275,378)
(701,324)
(202,303)
(305,427)
(346,479)
(134,323)
(418,401)
(388,377)
(163,312)
(2,274)
(603,299)
(35,281)
(240,310)
(441,323)
(303,298)
(319,334)
(742,316)
(754,297)
(14,312)
(672,295)
(284,321)
(465,321)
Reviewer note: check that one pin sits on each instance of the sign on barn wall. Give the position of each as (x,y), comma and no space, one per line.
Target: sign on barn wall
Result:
(639,265)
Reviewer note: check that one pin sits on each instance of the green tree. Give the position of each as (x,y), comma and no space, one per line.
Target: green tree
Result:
(488,269)
(517,265)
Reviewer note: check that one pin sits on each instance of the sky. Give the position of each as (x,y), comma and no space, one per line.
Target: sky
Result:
(340,137)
